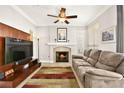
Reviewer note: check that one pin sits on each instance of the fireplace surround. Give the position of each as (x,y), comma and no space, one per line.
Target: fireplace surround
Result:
(61,54)
(70,47)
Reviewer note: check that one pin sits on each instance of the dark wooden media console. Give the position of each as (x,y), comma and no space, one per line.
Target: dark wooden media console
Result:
(20,73)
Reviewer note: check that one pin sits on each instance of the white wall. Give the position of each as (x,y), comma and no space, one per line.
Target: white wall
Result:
(47,34)
(75,34)
(43,34)
(104,21)
(11,17)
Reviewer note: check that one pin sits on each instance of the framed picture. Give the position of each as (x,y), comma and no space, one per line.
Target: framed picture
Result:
(109,35)
(61,34)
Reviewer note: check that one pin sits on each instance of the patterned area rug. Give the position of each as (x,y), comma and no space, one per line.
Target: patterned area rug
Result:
(53,77)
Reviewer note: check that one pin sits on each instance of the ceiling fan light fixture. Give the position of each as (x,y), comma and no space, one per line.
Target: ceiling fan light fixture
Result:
(62,16)
(62,19)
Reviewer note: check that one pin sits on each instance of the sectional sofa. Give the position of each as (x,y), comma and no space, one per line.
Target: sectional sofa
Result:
(99,69)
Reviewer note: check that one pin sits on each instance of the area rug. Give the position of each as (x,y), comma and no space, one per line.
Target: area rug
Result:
(53,77)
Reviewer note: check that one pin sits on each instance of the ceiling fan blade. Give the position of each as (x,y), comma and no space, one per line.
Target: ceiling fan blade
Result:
(72,16)
(56,21)
(66,22)
(51,15)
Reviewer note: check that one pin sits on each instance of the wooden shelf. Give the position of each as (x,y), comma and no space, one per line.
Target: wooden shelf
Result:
(19,75)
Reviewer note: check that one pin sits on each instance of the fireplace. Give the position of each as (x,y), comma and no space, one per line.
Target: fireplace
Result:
(62,56)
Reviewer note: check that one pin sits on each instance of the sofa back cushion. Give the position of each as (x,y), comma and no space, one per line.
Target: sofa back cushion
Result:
(93,57)
(87,52)
(85,58)
(120,68)
(103,66)
(109,60)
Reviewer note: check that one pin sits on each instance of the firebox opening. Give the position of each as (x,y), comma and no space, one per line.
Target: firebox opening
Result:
(62,56)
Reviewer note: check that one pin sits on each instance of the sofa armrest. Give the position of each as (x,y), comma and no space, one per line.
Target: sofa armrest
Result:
(77,57)
(104,74)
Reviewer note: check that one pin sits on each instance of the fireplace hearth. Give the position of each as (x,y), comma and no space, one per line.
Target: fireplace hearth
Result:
(62,56)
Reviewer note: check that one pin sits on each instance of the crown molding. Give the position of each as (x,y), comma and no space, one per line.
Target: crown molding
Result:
(20,11)
(99,14)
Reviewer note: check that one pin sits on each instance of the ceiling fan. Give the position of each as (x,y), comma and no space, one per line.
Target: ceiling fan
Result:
(62,16)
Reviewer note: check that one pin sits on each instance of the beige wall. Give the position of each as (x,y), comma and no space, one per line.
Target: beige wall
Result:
(104,21)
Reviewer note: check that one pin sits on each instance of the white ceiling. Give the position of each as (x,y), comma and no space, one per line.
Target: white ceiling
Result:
(37,14)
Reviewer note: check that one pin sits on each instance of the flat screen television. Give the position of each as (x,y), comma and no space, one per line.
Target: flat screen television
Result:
(17,50)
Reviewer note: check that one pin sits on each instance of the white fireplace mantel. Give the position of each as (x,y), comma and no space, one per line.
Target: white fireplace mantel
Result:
(61,44)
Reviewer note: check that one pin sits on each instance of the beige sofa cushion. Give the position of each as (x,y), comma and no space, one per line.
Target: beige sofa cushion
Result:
(82,63)
(85,58)
(105,67)
(87,52)
(109,60)
(105,73)
(120,68)
(81,70)
(99,78)
(93,57)
(91,61)
(93,81)
(77,57)
(79,62)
